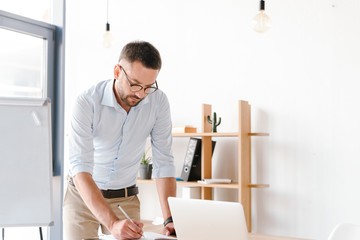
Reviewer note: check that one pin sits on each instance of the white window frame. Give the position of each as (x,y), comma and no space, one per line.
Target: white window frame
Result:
(38,29)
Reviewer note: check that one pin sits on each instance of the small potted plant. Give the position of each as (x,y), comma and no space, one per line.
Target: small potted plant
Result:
(145,168)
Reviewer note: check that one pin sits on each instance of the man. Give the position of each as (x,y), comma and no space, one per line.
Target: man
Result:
(110,124)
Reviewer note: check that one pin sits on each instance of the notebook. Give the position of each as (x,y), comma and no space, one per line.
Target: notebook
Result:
(146,236)
(208,219)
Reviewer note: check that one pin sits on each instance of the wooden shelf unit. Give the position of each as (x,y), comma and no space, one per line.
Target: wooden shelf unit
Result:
(244,134)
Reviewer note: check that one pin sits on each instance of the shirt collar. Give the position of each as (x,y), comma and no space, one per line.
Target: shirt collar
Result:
(109,98)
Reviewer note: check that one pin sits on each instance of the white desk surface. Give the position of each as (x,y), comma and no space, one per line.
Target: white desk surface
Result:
(256,236)
(149,227)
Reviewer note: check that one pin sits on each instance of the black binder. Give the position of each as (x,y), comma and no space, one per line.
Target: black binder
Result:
(191,170)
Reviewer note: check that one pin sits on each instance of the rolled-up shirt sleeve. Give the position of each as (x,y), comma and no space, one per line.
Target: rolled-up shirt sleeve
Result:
(161,140)
(81,148)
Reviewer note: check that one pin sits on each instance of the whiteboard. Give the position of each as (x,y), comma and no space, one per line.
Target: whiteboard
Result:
(25,162)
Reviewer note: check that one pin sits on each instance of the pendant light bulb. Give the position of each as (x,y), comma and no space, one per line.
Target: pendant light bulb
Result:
(261,22)
(107,38)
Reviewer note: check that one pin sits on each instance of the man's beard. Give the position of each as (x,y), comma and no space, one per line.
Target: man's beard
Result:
(129,103)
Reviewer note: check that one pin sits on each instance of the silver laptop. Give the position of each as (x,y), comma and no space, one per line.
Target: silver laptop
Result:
(207,219)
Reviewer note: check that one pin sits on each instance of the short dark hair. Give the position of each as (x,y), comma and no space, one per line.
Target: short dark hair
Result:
(143,52)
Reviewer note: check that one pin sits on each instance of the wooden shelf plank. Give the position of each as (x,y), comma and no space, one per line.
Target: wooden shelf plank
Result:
(234,185)
(210,134)
(259,134)
(145,181)
(219,185)
(259,185)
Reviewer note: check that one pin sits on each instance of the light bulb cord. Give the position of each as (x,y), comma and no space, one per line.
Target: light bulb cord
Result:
(107,11)
(107,17)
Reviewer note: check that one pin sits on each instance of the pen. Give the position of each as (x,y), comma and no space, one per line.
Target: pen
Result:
(127,216)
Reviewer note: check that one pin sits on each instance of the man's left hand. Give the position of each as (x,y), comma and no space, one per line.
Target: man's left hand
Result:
(169,229)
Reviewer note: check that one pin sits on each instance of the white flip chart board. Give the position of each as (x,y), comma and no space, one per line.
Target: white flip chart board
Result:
(25,162)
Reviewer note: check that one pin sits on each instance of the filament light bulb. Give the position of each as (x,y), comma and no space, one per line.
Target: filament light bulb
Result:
(108,38)
(261,22)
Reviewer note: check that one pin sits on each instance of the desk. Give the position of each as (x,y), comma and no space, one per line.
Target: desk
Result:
(149,227)
(256,236)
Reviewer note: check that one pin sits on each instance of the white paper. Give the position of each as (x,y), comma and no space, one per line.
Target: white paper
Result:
(147,236)
(152,235)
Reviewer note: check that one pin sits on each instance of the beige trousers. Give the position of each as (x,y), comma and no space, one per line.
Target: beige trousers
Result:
(79,222)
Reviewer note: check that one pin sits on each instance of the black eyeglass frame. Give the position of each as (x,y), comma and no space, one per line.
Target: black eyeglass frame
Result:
(137,87)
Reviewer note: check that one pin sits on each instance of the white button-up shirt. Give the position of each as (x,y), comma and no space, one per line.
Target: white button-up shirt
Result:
(108,142)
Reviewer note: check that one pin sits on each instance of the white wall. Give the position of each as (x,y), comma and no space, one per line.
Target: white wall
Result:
(301,78)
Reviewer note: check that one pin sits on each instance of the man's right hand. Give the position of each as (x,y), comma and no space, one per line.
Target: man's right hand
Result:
(125,229)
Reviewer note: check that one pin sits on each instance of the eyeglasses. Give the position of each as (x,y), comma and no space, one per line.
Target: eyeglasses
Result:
(137,87)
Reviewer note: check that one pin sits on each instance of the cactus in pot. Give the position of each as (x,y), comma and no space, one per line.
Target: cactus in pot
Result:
(214,122)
